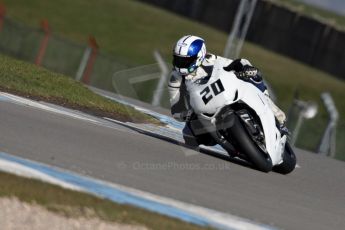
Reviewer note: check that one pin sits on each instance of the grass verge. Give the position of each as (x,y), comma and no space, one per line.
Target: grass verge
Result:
(76,204)
(38,83)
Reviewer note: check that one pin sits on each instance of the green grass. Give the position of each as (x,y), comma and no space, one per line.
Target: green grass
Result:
(132,30)
(76,204)
(38,83)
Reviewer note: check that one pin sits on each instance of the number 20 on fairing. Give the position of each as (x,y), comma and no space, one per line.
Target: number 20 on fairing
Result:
(216,87)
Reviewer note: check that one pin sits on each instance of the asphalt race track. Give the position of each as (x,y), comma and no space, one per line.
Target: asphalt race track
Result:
(312,197)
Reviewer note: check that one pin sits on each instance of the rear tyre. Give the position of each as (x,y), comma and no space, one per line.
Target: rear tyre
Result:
(289,161)
(246,145)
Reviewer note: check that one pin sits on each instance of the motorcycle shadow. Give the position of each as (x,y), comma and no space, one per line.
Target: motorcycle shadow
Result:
(207,151)
(226,157)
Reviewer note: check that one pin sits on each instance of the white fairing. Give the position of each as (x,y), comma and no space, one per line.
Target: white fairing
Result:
(224,88)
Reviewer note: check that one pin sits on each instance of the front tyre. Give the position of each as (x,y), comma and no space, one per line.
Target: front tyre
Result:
(289,161)
(246,145)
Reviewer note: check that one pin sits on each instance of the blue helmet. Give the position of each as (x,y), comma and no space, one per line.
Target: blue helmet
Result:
(189,53)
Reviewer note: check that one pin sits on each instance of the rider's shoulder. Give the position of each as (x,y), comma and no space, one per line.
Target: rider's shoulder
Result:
(213,59)
(225,60)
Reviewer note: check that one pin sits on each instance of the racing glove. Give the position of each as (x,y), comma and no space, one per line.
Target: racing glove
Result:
(247,73)
(252,74)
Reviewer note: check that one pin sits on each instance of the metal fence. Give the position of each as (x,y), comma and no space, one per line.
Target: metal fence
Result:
(19,41)
(61,55)
(71,59)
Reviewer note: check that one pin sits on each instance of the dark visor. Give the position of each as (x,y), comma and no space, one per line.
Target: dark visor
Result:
(183,62)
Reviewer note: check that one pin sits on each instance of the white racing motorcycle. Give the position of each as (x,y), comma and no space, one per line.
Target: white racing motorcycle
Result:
(238,117)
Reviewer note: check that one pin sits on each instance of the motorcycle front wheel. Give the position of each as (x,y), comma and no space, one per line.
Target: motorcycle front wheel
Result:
(245,145)
(289,161)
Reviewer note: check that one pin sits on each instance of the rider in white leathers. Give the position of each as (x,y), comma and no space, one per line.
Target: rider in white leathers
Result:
(192,63)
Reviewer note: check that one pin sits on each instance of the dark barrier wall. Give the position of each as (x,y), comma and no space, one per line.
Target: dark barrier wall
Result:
(273,27)
(217,13)
(300,37)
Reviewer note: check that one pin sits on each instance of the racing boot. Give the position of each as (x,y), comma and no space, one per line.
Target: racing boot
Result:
(189,137)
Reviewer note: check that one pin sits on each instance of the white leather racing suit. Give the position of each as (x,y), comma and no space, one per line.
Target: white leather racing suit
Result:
(180,108)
